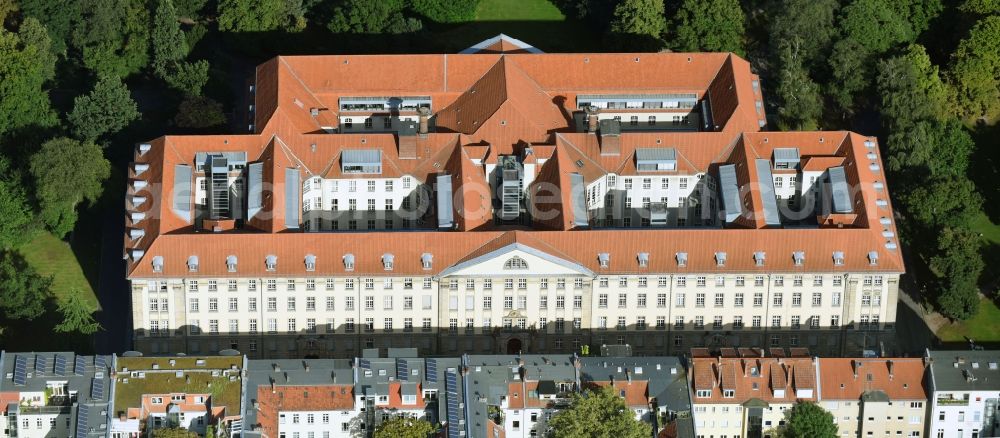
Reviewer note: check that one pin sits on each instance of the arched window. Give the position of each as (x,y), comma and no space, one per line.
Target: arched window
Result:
(515,263)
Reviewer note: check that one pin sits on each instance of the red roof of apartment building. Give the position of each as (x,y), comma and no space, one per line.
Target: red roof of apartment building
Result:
(852,378)
(753,375)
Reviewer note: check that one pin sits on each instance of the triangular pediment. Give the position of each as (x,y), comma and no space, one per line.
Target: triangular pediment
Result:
(516,260)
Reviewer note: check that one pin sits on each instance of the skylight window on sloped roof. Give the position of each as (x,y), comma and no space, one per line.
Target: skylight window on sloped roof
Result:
(799,257)
(682,258)
(759,258)
(192,263)
(387,261)
(643,258)
(231,263)
(157,263)
(349,262)
(838,258)
(426,260)
(310,262)
(604,259)
(271,262)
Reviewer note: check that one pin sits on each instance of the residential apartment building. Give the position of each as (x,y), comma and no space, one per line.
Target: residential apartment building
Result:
(746,392)
(964,388)
(54,395)
(504,200)
(875,397)
(198,394)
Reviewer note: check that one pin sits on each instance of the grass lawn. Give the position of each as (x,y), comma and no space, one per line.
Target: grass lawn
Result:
(518,10)
(984,327)
(50,256)
(536,22)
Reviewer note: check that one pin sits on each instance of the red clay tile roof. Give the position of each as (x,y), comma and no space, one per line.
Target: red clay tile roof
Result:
(517,100)
(300,398)
(840,381)
(787,374)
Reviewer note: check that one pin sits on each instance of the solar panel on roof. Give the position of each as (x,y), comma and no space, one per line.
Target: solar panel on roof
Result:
(451,387)
(402,369)
(20,370)
(366,364)
(82,414)
(41,364)
(60,365)
(79,367)
(100,362)
(97,389)
(432,370)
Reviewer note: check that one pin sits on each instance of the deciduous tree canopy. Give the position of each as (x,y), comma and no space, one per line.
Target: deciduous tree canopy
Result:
(709,25)
(107,108)
(975,70)
(67,172)
(808,420)
(403,427)
(598,413)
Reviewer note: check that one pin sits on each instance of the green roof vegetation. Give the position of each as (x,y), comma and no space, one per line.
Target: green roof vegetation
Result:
(197,379)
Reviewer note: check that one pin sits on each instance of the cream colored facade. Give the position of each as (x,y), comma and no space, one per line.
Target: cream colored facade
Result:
(878,416)
(516,298)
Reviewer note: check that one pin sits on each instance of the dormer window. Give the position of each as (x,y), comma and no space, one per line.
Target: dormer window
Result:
(799,257)
(271,262)
(426,260)
(758,258)
(838,258)
(192,263)
(231,263)
(729,393)
(873,258)
(349,262)
(310,262)
(387,261)
(604,259)
(720,259)
(643,258)
(703,393)
(682,259)
(157,263)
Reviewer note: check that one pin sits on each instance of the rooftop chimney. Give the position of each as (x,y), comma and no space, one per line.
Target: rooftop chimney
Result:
(423,116)
(592,112)
(888,364)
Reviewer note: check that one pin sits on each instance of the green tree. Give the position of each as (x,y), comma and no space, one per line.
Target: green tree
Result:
(57,17)
(957,266)
(809,420)
(24,68)
(199,112)
(811,22)
(190,9)
(252,16)
(33,33)
(446,11)
(78,315)
(911,89)
(402,427)
(113,36)
(597,413)
(975,70)
(169,45)
(869,28)
(22,291)
(188,77)
(106,109)
(876,24)
(16,217)
(709,25)
(67,172)
(943,201)
(368,17)
(982,7)
(929,148)
(638,24)
(801,103)
(850,71)
(174,433)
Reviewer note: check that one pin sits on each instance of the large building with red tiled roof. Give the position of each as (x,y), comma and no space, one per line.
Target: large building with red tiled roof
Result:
(504,200)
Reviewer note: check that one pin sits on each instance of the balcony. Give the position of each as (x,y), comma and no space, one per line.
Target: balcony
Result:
(948,401)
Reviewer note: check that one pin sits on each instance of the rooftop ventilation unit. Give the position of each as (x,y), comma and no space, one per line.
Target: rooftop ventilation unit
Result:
(840,191)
